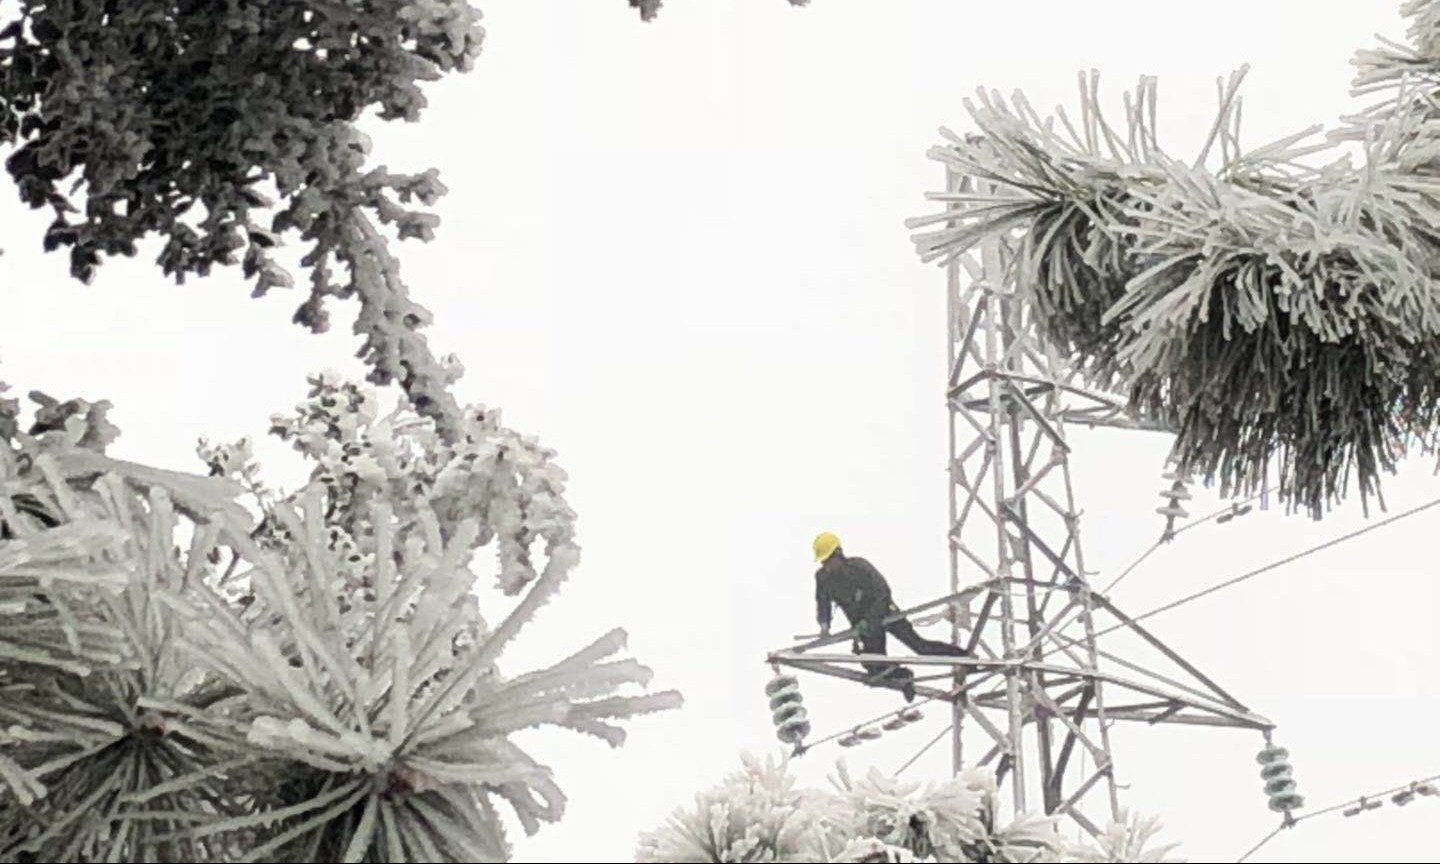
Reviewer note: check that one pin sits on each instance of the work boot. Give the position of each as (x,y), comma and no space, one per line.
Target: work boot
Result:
(906,679)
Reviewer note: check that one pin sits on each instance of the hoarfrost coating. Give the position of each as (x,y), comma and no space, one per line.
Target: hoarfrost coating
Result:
(759,814)
(1264,305)
(305,677)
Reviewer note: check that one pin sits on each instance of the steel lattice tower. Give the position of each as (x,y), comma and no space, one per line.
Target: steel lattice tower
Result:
(1032,692)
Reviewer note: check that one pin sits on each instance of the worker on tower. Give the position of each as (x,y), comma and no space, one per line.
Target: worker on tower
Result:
(863,595)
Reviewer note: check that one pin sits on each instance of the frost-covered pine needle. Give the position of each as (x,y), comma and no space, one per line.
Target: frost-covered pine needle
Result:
(1269,305)
(301,677)
(759,814)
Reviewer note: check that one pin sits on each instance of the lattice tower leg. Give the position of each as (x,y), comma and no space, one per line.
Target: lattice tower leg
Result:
(986,333)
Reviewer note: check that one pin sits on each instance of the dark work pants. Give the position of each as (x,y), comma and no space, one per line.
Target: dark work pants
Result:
(873,642)
(905,632)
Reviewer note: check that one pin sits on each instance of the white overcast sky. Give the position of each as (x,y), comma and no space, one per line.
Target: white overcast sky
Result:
(675,252)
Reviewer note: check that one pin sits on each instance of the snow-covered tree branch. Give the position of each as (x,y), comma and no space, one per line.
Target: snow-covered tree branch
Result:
(306,678)
(759,814)
(1271,304)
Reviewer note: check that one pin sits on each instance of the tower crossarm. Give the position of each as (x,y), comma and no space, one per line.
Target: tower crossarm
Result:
(810,642)
(1165,706)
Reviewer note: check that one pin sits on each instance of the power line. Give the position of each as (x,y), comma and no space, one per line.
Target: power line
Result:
(1164,608)
(1399,795)
(923,750)
(1263,840)
(886,716)
(1365,800)
(1233,507)
(1273,565)
(1244,576)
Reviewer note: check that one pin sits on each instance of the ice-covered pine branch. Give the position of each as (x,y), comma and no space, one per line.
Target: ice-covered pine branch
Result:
(318,683)
(270,150)
(1269,305)
(88,550)
(758,814)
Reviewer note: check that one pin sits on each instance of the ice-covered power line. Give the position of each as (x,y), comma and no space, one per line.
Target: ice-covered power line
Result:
(1059,632)
(908,714)
(1399,796)
(923,750)
(1225,514)
(1277,564)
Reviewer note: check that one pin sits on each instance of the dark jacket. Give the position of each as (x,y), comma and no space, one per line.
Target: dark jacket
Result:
(855,586)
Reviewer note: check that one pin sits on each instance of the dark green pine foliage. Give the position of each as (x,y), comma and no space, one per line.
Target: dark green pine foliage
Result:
(226,126)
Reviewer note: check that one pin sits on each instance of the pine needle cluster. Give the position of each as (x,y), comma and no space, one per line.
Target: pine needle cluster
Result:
(200,668)
(1272,306)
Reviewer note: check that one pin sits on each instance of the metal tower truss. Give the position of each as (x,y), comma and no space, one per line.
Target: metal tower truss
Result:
(1037,695)
(1038,690)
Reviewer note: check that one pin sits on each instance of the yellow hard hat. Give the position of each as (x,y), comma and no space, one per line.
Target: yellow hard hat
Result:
(825,543)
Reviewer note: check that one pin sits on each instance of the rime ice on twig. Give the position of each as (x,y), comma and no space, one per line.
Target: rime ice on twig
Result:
(758,814)
(184,682)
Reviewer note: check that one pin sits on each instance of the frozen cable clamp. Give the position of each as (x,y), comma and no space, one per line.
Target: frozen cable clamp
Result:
(1420,787)
(1235,510)
(1362,806)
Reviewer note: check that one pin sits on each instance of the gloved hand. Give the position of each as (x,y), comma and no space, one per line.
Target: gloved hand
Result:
(862,629)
